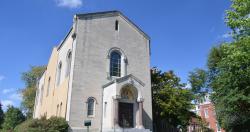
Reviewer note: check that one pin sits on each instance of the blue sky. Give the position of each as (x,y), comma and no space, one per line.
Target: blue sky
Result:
(181,31)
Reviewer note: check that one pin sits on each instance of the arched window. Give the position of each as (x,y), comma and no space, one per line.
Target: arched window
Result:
(69,56)
(115,64)
(91,106)
(59,70)
(48,87)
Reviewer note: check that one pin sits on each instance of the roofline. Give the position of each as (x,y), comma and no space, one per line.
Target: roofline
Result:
(62,42)
(114,12)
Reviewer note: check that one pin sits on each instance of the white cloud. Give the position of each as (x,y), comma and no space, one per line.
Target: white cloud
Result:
(69,3)
(15,96)
(226,35)
(6,103)
(188,86)
(2,77)
(11,97)
(6,91)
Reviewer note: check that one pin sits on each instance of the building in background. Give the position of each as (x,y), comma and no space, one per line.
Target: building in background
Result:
(100,73)
(205,109)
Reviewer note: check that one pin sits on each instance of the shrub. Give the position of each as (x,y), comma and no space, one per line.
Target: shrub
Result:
(13,117)
(54,124)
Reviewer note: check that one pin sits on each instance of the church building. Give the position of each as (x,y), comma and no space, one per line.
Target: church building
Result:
(99,75)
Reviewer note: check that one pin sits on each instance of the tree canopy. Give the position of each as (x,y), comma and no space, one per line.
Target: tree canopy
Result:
(171,101)
(198,80)
(229,71)
(229,66)
(29,92)
(13,117)
(238,18)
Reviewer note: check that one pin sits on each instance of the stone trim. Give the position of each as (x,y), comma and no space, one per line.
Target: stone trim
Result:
(121,79)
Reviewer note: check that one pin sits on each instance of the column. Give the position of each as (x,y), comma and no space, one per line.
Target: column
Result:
(115,111)
(140,103)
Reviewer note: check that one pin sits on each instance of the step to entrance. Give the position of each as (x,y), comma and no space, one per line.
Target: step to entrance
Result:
(127,130)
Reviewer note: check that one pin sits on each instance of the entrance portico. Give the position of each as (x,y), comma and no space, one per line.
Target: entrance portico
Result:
(123,104)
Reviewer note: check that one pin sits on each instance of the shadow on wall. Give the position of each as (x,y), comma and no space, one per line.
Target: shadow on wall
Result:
(147,121)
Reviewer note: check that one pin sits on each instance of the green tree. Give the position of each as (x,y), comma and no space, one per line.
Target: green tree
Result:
(1,116)
(29,92)
(198,80)
(238,18)
(171,101)
(229,66)
(229,71)
(13,117)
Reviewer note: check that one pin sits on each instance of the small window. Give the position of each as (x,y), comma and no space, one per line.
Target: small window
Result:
(37,95)
(91,105)
(48,87)
(69,56)
(116,25)
(41,98)
(105,108)
(206,113)
(57,108)
(218,127)
(59,70)
(60,110)
(115,64)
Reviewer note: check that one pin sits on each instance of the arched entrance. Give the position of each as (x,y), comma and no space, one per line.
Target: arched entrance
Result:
(126,106)
(127,103)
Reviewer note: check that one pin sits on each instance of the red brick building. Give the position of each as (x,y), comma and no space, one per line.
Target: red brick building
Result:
(207,112)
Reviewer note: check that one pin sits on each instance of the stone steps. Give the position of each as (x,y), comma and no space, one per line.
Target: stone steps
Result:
(127,130)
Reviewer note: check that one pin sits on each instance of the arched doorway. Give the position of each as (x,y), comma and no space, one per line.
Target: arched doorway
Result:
(126,106)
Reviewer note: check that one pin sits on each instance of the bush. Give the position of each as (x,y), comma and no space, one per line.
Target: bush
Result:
(54,124)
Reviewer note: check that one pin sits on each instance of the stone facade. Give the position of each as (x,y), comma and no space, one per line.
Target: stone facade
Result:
(91,40)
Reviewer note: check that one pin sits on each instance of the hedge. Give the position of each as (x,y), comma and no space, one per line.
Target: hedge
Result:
(53,124)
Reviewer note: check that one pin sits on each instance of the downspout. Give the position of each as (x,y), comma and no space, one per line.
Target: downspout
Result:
(102,109)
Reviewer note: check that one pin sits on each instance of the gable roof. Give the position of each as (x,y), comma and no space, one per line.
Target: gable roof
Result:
(121,79)
(112,13)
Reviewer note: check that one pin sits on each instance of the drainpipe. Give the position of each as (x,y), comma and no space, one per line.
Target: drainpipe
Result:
(102,109)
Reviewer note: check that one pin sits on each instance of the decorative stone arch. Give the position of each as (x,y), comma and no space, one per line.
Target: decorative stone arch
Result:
(133,82)
(124,62)
(92,98)
(128,92)
(118,50)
